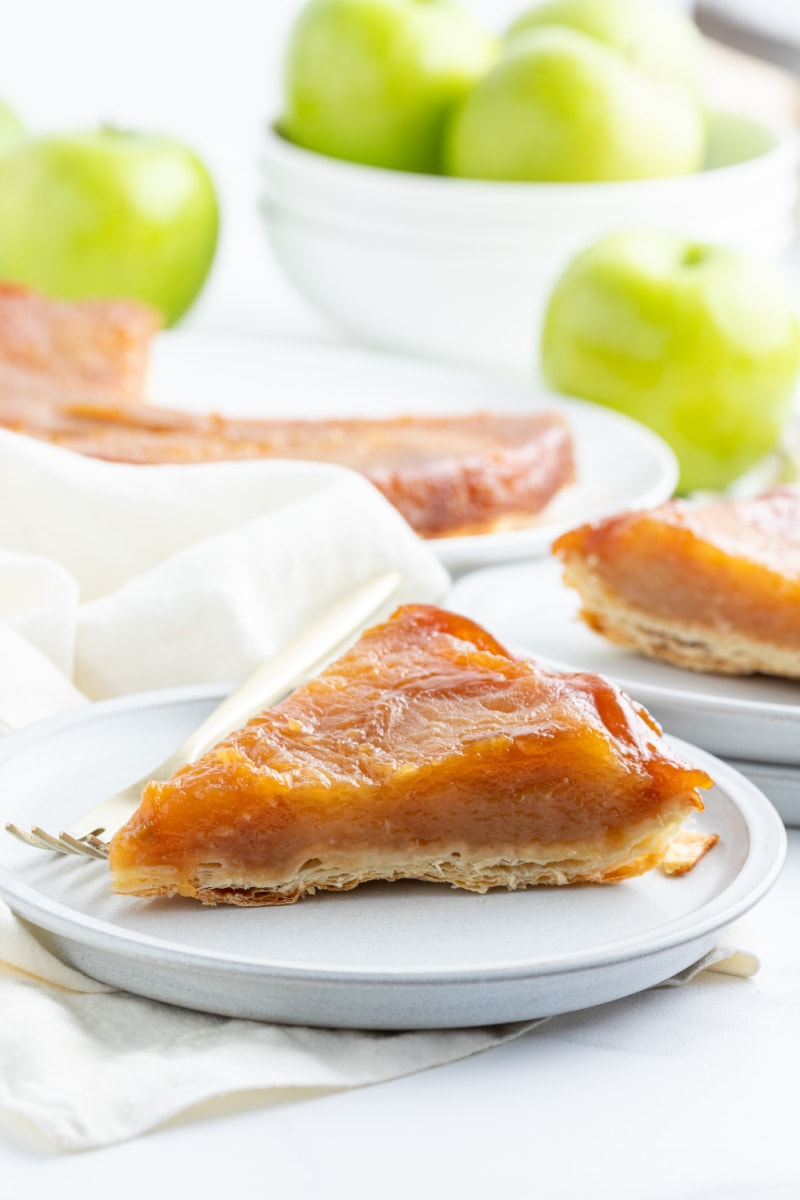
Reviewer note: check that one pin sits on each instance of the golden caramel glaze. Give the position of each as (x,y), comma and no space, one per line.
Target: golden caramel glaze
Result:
(58,348)
(426,739)
(731,566)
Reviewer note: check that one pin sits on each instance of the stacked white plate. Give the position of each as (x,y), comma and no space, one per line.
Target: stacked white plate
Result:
(753,723)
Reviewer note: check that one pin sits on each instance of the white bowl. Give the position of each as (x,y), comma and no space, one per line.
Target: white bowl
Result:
(460,270)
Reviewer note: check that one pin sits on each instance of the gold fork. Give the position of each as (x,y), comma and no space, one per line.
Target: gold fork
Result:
(310,651)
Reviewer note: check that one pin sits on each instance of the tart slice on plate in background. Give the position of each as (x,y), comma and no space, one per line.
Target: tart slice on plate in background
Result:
(713,587)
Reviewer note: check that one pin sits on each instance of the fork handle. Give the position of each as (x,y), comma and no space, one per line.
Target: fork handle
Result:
(303,656)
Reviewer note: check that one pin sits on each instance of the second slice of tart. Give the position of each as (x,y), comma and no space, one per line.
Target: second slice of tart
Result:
(428,752)
(713,587)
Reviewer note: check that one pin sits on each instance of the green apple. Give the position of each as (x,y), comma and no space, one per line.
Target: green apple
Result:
(108,214)
(12,131)
(699,342)
(374,81)
(658,38)
(562,106)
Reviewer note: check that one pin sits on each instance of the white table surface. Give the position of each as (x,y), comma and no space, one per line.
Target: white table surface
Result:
(676,1093)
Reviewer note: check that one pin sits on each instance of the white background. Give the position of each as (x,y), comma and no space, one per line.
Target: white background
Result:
(208,73)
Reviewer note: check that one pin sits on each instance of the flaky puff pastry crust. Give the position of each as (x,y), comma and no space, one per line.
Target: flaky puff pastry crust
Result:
(428,752)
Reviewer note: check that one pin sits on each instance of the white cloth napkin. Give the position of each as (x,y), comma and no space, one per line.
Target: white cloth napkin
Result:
(116,579)
(82,1065)
(132,577)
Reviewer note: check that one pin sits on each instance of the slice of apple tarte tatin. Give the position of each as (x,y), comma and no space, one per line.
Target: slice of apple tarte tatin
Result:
(426,752)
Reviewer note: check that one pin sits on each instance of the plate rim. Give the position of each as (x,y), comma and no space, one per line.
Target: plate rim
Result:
(758,872)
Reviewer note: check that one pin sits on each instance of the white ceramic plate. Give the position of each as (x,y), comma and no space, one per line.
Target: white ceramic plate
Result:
(620,464)
(528,607)
(385,956)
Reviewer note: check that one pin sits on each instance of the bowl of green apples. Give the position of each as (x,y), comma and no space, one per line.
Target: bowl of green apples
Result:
(427,179)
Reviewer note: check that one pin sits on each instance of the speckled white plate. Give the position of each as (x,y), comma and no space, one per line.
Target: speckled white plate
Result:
(385,956)
(529,608)
(620,464)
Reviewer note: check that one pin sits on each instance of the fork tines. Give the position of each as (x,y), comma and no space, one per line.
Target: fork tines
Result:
(89,846)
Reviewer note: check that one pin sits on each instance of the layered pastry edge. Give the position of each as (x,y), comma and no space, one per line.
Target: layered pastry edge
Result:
(533,865)
(696,645)
(731,616)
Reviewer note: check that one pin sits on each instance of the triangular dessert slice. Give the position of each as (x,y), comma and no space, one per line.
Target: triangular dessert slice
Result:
(427,751)
(714,587)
